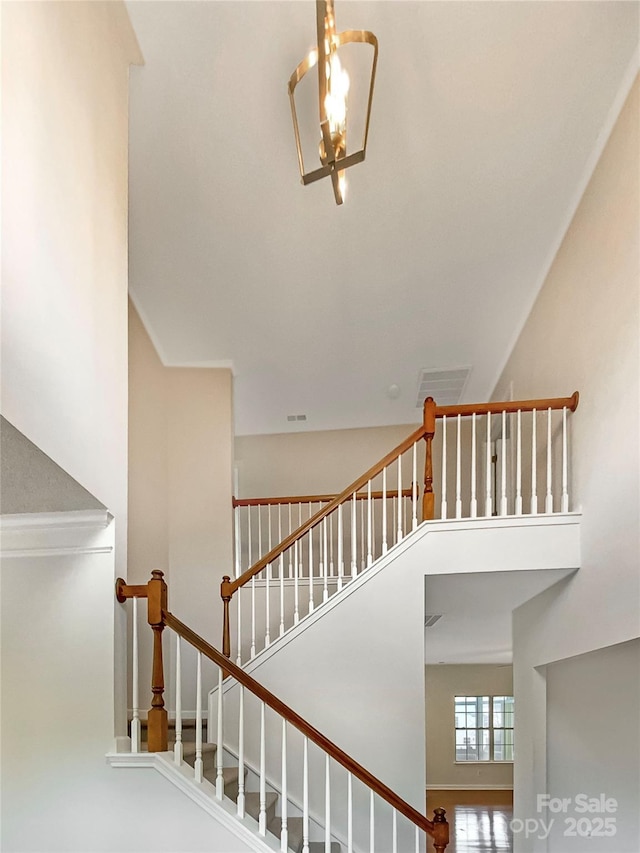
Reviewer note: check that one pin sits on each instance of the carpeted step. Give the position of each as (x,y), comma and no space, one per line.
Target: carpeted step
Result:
(208,754)
(252,805)
(294,836)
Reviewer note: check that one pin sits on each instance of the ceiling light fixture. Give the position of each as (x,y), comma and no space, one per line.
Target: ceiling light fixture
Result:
(333,85)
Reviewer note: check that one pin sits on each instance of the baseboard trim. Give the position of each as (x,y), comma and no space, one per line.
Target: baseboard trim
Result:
(435,787)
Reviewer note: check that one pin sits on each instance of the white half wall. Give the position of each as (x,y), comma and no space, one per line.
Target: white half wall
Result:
(58,793)
(355,668)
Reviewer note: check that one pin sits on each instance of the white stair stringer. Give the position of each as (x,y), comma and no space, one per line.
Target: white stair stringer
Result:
(354,667)
(225,810)
(202,793)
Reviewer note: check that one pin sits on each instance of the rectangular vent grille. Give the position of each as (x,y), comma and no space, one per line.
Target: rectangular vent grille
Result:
(431,618)
(445,386)
(296,418)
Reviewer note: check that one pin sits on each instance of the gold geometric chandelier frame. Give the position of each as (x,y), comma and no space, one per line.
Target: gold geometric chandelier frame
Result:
(333,146)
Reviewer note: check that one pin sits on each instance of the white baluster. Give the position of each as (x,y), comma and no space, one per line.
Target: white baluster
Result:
(354,537)
(311,574)
(417,847)
(518,507)
(260,553)
(296,592)
(281,594)
(400,530)
(503,465)
(332,567)
(220,740)
(269,538)
(198,767)
(301,551)
(253,617)
(238,573)
(340,546)
(564,503)
(249,537)
(372,824)
(325,588)
(240,801)
(534,465)
(548,504)
(349,813)
(281,571)
(363,562)
(369,526)
(305,796)
(458,472)
(284,832)
(443,503)
(488,505)
(384,510)
(327,806)
(394,515)
(135,721)
(262,814)
(414,488)
(290,551)
(267,606)
(473,507)
(177,748)
(394,831)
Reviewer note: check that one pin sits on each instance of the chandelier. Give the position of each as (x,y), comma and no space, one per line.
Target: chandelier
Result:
(333,88)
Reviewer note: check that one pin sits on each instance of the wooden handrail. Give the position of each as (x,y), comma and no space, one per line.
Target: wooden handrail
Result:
(510,406)
(437,828)
(228,587)
(314,499)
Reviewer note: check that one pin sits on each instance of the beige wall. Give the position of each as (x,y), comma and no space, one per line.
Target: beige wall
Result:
(180,471)
(303,463)
(65,73)
(442,683)
(583,332)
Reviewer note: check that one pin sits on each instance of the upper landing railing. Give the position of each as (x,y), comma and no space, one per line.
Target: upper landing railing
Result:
(478,460)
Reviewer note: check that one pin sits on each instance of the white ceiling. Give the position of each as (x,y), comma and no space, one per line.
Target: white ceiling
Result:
(487,119)
(476,611)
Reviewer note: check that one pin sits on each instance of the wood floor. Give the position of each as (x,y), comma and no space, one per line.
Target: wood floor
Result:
(478,820)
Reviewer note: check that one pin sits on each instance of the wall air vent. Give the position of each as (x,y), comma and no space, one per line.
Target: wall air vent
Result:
(445,386)
(291,418)
(431,618)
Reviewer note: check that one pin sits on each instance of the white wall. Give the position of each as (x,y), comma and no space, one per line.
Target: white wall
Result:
(355,670)
(593,743)
(58,794)
(583,333)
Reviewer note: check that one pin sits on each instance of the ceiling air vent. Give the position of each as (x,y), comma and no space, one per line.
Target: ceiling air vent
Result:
(431,618)
(445,386)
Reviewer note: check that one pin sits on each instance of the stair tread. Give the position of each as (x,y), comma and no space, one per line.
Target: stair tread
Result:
(252,804)
(294,831)
(189,749)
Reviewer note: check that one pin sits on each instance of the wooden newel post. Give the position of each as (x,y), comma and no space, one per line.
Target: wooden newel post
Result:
(440,830)
(226,593)
(428,500)
(157,717)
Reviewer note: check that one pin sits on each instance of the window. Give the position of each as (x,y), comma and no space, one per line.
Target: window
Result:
(484,728)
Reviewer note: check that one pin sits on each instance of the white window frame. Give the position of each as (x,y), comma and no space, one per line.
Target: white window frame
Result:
(480,730)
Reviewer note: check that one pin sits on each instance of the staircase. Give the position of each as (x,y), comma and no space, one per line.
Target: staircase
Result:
(295,833)
(289,785)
